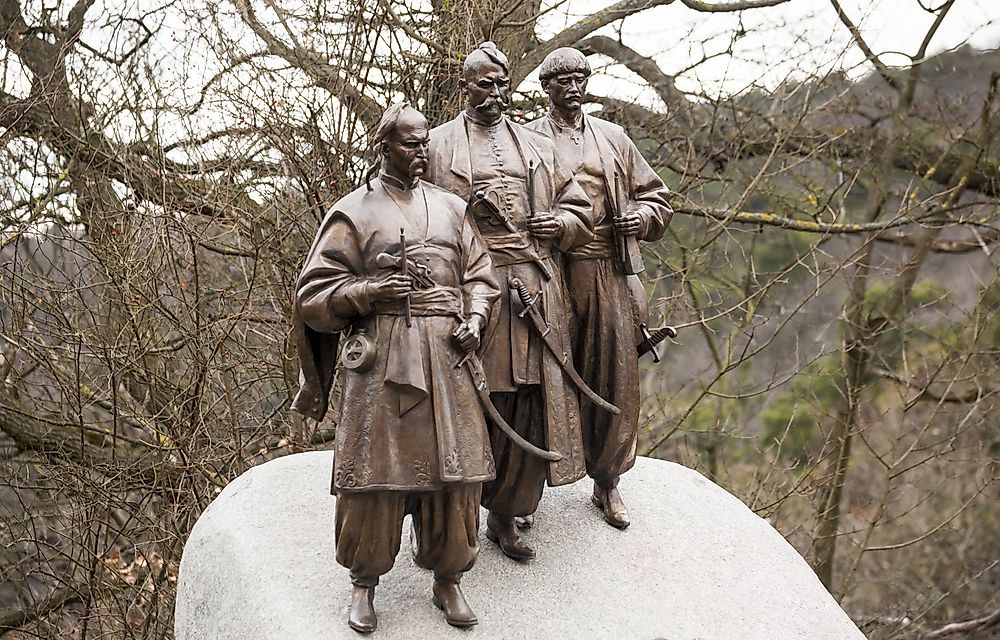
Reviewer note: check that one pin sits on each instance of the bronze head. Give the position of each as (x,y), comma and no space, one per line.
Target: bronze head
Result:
(564,74)
(401,138)
(486,83)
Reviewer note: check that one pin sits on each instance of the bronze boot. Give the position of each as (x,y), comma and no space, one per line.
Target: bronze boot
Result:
(448,597)
(362,616)
(502,531)
(610,502)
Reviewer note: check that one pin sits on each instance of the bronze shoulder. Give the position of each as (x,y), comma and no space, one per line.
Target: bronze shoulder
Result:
(442,131)
(454,202)
(609,128)
(351,205)
(536,137)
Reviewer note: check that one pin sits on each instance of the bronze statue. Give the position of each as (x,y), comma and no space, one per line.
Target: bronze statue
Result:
(630,203)
(527,207)
(398,265)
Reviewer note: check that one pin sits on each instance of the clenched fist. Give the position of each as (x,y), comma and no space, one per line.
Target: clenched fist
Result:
(469,333)
(395,287)
(628,223)
(544,225)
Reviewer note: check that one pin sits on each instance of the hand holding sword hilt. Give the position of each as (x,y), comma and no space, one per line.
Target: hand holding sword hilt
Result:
(391,289)
(468,334)
(626,244)
(420,273)
(541,226)
(628,223)
(544,225)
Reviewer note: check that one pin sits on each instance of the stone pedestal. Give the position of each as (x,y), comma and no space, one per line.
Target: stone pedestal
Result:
(696,564)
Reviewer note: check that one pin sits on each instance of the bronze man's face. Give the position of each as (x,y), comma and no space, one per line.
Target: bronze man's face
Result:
(406,148)
(487,88)
(566,90)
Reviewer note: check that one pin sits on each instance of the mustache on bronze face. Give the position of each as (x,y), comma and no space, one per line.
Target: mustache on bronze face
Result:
(491,100)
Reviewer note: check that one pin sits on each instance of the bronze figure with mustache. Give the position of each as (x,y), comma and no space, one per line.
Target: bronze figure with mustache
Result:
(411,437)
(496,165)
(630,202)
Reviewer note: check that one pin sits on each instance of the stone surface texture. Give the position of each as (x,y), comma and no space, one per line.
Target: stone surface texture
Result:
(696,564)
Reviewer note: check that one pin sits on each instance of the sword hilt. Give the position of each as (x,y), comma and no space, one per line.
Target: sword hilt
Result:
(522,290)
(404,269)
(664,332)
(650,340)
(527,299)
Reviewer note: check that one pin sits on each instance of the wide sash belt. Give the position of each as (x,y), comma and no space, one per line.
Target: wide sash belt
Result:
(412,356)
(602,246)
(439,301)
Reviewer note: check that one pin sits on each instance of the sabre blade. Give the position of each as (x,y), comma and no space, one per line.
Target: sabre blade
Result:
(531,188)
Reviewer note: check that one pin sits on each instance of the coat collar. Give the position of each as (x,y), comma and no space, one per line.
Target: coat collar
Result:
(461,160)
(611,161)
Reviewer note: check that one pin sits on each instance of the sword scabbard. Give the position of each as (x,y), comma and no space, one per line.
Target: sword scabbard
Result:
(544,329)
(475,367)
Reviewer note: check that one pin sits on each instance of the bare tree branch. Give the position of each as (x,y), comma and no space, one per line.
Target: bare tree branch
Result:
(980,242)
(859,40)
(792,224)
(585,26)
(319,70)
(643,66)
(967,626)
(14,619)
(729,5)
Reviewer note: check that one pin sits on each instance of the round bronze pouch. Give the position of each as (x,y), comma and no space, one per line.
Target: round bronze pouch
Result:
(359,353)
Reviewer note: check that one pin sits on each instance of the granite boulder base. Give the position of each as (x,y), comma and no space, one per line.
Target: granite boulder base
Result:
(696,564)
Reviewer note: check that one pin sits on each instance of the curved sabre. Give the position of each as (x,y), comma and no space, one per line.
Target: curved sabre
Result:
(531,309)
(472,361)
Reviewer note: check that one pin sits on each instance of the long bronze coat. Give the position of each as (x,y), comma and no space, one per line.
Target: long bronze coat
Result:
(607,305)
(514,354)
(413,421)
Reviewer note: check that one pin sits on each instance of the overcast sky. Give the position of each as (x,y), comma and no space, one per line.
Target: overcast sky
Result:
(795,38)
(798,38)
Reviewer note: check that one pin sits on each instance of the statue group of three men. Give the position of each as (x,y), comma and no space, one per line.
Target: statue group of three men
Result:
(480,271)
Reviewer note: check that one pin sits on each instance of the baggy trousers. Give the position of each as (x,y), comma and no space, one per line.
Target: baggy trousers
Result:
(605,355)
(521,476)
(446,523)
